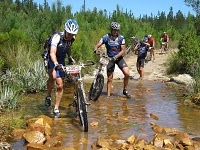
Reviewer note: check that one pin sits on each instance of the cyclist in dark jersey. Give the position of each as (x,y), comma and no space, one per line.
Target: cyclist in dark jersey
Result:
(142,47)
(115,45)
(60,47)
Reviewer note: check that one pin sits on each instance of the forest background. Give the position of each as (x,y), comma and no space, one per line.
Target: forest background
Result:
(25,26)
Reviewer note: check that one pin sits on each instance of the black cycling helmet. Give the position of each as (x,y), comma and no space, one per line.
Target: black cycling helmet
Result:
(115,26)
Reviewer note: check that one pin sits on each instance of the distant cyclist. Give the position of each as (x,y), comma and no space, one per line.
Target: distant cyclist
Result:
(60,47)
(151,41)
(116,47)
(165,38)
(142,48)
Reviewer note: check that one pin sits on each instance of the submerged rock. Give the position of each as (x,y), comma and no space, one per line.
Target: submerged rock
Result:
(34,137)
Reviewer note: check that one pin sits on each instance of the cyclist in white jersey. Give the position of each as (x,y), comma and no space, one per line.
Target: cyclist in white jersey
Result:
(60,47)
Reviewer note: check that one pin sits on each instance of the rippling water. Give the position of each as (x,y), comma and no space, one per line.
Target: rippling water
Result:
(164,100)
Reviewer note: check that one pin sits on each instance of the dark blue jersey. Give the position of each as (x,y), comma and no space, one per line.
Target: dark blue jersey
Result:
(142,50)
(113,44)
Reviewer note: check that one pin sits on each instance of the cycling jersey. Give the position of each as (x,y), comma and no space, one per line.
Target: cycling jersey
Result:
(151,41)
(142,50)
(113,44)
(62,45)
(165,37)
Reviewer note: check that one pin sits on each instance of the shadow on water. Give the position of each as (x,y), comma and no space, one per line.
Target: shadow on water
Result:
(118,115)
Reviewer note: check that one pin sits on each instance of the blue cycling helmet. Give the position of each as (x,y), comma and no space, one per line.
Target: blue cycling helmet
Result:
(145,39)
(71,26)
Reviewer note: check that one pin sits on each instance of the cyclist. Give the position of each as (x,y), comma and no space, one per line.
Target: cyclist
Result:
(165,38)
(142,47)
(60,46)
(115,45)
(151,41)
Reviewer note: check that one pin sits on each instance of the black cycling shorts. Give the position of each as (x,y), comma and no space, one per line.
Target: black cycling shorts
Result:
(120,63)
(140,62)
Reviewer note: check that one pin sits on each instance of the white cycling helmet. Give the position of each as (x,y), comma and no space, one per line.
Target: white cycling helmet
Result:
(71,26)
(115,26)
(149,35)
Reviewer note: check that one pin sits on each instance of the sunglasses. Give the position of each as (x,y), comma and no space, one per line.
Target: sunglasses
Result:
(69,34)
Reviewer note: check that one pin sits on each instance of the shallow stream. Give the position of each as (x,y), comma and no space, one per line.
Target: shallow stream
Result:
(118,115)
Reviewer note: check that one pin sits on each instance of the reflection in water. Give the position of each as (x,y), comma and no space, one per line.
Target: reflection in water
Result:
(190,118)
(118,115)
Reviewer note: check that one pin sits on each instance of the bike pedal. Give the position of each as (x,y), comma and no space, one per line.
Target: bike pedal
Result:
(71,105)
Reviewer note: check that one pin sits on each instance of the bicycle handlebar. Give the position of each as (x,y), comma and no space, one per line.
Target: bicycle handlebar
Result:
(75,68)
(102,54)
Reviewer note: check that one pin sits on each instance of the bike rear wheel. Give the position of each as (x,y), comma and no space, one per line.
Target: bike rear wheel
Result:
(82,110)
(96,88)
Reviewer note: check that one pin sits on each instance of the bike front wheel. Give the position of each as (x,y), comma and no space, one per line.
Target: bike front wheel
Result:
(96,88)
(82,110)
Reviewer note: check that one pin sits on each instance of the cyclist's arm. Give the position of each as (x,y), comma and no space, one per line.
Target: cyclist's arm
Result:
(167,39)
(69,52)
(53,50)
(153,43)
(147,44)
(97,45)
(136,47)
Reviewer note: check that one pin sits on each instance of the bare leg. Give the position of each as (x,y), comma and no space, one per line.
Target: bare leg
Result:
(142,72)
(50,82)
(59,91)
(126,73)
(109,82)
(139,71)
(153,54)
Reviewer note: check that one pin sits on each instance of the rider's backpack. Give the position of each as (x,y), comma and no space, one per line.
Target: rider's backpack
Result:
(46,51)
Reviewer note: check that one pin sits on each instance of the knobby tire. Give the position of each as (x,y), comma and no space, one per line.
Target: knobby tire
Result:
(95,90)
(81,109)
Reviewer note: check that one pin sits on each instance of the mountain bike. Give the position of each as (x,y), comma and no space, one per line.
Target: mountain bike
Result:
(79,100)
(163,47)
(98,82)
(134,43)
(149,55)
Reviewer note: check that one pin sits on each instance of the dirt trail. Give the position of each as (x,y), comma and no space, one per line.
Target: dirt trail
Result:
(153,70)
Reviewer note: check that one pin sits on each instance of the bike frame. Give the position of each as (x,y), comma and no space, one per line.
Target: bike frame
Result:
(103,61)
(79,100)
(149,55)
(163,47)
(74,72)
(98,82)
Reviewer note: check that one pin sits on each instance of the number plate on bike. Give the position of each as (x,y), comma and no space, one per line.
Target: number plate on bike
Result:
(72,69)
(103,61)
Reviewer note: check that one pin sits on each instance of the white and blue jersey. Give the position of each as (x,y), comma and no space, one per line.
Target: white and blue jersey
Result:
(63,46)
